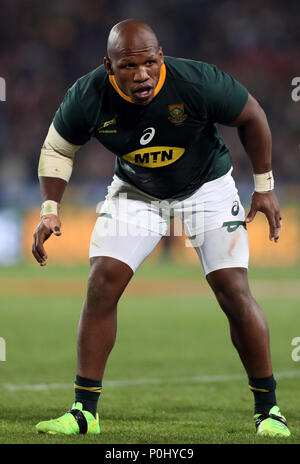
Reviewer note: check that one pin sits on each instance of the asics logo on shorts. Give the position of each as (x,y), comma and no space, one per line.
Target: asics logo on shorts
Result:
(235,208)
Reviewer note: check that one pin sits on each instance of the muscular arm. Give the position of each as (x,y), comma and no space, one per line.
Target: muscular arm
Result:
(56,160)
(52,188)
(255,136)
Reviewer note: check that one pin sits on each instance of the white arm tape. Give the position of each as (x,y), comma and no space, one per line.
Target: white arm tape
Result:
(263,182)
(57,156)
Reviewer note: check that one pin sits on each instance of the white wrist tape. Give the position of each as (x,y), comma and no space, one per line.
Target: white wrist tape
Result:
(263,182)
(49,207)
(57,156)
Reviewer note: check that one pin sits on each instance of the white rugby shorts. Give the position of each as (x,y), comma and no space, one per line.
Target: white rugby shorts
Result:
(131,223)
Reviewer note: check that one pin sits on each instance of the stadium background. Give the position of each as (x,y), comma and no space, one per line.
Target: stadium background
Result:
(44,48)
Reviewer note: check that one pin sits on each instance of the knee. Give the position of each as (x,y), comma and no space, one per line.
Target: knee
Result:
(235,300)
(102,290)
(99,290)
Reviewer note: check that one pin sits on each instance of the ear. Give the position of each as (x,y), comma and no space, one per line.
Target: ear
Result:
(108,66)
(161,54)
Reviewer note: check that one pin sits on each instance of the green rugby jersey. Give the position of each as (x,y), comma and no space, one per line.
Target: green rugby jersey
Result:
(171,146)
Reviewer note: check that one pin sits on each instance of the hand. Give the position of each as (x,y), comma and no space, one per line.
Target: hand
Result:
(268,204)
(49,224)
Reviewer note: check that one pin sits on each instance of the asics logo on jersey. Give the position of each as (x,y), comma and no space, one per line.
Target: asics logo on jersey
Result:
(148,136)
(154,157)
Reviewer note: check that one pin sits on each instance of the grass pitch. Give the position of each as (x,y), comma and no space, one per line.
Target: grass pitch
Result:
(173,376)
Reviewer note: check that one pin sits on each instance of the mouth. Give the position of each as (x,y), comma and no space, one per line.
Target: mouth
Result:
(143,93)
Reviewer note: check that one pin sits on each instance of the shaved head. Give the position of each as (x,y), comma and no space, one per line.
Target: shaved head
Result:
(128,35)
(134,59)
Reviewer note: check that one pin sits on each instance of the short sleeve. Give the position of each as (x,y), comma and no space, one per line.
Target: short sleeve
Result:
(225,97)
(69,120)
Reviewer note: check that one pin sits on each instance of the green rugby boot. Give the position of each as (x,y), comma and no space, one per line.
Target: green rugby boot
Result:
(271,425)
(73,422)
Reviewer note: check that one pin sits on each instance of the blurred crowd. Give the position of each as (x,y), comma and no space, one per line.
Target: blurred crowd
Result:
(46,46)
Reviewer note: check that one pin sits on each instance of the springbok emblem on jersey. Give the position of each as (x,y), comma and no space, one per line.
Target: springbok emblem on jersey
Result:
(177,114)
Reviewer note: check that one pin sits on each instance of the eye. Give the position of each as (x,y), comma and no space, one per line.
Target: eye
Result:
(126,66)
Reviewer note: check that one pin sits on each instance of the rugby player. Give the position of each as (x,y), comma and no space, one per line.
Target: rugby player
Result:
(158,116)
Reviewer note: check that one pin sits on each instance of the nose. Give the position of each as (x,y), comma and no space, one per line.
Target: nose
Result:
(141,74)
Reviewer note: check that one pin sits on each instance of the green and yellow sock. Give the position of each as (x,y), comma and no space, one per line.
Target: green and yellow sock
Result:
(87,392)
(263,390)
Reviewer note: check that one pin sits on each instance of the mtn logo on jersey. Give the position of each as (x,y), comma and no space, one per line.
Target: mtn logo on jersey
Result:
(154,157)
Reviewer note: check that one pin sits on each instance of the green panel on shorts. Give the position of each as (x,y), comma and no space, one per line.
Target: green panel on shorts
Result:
(233,225)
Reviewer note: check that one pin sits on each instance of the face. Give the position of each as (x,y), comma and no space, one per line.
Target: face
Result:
(136,71)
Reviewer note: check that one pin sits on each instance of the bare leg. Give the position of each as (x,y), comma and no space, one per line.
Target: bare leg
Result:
(248,325)
(98,322)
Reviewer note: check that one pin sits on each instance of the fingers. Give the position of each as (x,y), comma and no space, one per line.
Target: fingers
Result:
(56,231)
(274,220)
(275,227)
(49,224)
(38,250)
(267,203)
(251,215)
